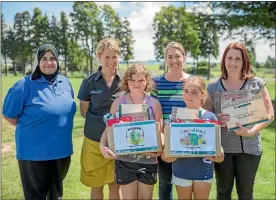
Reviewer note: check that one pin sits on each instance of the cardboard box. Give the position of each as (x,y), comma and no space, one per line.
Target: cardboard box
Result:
(195,148)
(134,137)
(137,135)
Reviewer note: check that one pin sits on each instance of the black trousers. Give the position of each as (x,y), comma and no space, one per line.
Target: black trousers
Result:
(43,179)
(165,178)
(240,166)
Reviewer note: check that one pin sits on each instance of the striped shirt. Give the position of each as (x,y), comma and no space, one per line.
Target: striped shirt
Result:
(168,93)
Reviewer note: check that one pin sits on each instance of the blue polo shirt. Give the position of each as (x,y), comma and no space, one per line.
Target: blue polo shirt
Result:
(45,113)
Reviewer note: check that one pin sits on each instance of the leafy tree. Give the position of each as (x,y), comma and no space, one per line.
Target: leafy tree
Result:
(4,43)
(239,18)
(111,22)
(270,62)
(75,57)
(40,29)
(208,36)
(87,27)
(127,41)
(12,48)
(22,28)
(64,39)
(251,51)
(54,33)
(175,24)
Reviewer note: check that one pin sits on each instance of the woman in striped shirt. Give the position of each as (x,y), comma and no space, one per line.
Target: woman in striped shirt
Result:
(168,91)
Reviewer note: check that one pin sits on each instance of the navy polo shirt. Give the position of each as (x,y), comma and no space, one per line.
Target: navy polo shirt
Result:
(45,113)
(194,168)
(95,90)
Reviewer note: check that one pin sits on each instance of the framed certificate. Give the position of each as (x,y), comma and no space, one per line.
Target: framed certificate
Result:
(247,111)
(192,140)
(134,137)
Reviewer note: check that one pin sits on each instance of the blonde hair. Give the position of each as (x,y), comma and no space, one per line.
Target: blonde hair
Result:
(107,43)
(176,45)
(200,83)
(136,68)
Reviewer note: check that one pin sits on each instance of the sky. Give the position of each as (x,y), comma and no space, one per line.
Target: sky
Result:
(140,16)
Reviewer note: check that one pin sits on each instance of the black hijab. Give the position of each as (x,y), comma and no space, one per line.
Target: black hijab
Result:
(37,73)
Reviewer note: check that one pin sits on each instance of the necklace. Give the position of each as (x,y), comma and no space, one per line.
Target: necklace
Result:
(133,101)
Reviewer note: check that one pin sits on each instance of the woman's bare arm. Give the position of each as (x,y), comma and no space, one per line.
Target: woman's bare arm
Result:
(84,105)
(12,121)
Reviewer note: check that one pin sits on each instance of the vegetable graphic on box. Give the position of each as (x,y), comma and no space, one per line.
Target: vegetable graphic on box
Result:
(190,139)
(135,136)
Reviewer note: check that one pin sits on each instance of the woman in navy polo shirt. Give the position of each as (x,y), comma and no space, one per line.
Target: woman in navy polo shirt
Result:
(42,108)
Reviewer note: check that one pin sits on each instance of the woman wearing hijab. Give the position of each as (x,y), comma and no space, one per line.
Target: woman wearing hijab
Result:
(41,106)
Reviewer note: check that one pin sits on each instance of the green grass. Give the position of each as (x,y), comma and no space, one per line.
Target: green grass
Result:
(73,189)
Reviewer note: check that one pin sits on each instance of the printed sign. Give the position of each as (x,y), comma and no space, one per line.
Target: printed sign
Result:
(135,137)
(247,111)
(192,140)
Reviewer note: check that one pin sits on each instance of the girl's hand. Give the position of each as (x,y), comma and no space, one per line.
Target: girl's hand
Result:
(218,159)
(106,152)
(243,131)
(223,118)
(167,159)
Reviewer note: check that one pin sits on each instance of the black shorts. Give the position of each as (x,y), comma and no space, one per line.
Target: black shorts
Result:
(41,179)
(128,172)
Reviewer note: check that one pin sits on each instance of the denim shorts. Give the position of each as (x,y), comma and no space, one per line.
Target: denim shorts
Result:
(187,183)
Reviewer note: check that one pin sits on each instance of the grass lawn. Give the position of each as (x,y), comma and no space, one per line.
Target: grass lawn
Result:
(73,189)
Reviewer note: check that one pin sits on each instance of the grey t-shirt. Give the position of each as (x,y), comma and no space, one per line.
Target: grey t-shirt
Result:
(94,89)
(230,142)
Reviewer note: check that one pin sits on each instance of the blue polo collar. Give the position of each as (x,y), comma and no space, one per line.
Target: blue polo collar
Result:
(43,80)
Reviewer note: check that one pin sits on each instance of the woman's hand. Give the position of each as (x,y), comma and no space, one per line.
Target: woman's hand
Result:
(167,159)
(243,131)
(106,152)
(223,118)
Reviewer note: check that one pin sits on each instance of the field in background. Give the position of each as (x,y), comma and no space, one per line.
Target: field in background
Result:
(73,189)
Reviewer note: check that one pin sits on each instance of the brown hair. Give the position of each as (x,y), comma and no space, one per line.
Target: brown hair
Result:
(136,68)
(245,73)
(176,45)
(200,82)
(107,43)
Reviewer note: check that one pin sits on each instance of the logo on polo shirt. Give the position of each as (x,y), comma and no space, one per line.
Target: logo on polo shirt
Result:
(96,91)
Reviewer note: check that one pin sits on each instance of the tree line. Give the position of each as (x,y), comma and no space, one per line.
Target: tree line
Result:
(75,41)
(199,32)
